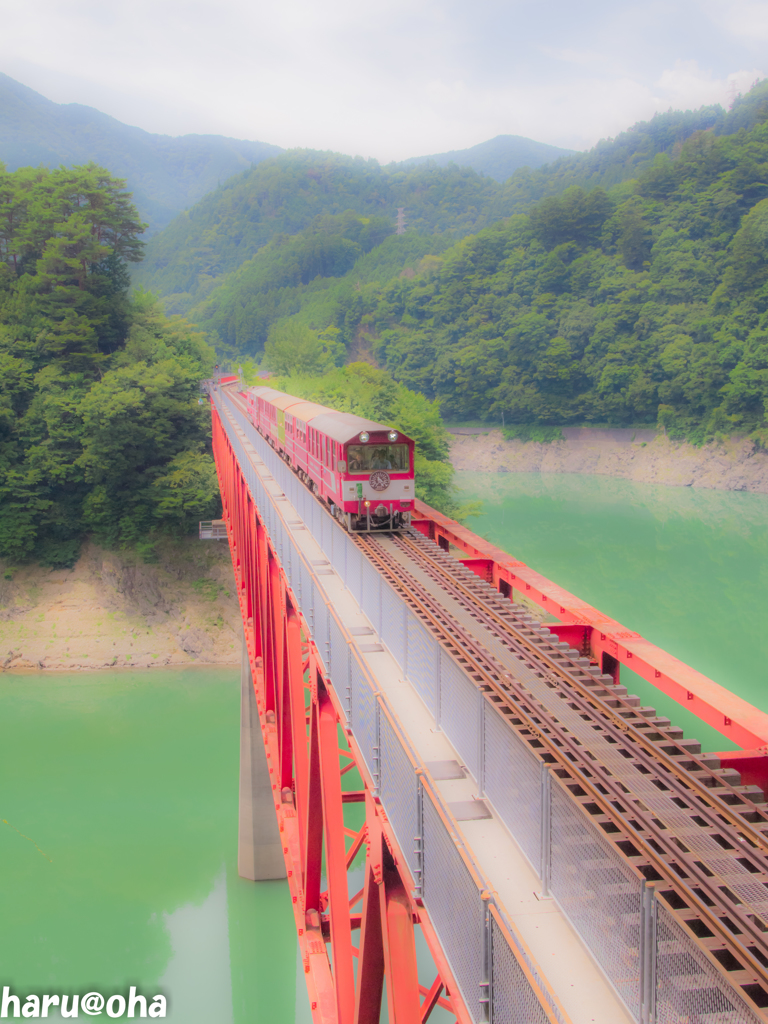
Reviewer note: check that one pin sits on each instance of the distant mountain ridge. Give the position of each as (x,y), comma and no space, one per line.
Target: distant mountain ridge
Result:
(497,158)
(169,174)
(166,174)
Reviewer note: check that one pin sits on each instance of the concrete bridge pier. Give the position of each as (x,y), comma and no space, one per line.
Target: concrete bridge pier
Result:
(259,850)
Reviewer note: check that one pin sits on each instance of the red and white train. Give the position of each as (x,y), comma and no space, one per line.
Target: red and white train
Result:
(361,469)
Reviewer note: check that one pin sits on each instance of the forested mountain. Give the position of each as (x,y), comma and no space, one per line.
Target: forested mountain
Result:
(100,427)
(311,269)
(612,161)
(499,158)
(644,302)
(169,174)
(285,195)
(165,174)
(210,261)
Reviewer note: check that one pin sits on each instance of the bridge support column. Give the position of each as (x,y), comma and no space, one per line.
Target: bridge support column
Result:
(259,850)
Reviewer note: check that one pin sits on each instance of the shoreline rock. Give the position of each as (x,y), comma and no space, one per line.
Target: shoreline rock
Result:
(736,465)
(113,611)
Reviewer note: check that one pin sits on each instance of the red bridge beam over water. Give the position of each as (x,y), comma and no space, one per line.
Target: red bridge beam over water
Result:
(295,758)
(612,644)
(404,878)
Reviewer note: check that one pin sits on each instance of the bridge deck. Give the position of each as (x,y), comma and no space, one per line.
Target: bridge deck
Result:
(632,867)
(671,812)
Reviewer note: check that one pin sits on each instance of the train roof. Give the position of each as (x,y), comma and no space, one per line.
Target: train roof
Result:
(298,407)
(339,426)
(305,411)
(345,426)
(282,401)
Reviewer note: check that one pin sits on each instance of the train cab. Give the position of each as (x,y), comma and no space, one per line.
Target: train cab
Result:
(374,465)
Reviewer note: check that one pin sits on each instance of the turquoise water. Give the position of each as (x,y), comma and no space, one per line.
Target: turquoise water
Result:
(119,848)
(119,789)
(688,569)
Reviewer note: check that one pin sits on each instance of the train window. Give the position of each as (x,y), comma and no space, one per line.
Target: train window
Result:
(364,458)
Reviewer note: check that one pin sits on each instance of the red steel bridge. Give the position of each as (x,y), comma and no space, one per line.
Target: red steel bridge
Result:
(476,820)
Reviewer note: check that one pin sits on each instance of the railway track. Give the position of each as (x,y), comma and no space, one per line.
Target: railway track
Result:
(686,824)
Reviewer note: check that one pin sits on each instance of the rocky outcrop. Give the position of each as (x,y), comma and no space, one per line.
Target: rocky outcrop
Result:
(736,465)
(112,610)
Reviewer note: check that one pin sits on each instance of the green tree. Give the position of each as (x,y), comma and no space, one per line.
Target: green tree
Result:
(748,269)
(99,419)
(575,216)
(294,348)
(635,239)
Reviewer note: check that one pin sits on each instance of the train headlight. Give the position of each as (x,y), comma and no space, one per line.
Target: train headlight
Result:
(392,435)
(365,436)
(367,504)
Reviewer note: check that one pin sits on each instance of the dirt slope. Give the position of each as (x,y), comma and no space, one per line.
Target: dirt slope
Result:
(736,465)
(113,610)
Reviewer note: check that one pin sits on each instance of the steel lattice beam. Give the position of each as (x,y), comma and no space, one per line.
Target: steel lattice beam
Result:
(300,716)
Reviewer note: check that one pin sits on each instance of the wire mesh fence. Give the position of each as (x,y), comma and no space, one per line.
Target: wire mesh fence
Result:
(596,888)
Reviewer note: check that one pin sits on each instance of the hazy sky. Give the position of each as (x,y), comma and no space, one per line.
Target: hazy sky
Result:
(390,79)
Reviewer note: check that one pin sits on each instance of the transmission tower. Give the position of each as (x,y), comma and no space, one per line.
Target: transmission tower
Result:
(400,221)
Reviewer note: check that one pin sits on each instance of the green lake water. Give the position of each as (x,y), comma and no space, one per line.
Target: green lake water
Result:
(118,859)
(126,785)
(688,569)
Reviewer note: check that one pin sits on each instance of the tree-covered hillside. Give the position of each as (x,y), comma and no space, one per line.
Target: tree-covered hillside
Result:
(499,158)
(335,252)
(612,161)
(225,261)
(100,427)
(647,301)
(285,195)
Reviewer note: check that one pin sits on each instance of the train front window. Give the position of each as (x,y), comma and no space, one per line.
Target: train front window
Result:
(365,458)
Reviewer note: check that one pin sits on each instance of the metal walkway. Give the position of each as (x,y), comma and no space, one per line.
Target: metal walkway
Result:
(566,853)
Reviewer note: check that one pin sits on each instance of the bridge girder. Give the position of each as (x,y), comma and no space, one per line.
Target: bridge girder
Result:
(309,751)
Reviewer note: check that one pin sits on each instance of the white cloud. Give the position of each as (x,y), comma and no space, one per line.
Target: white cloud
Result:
(743,18)
(582,58)
(406,78)
(686,86)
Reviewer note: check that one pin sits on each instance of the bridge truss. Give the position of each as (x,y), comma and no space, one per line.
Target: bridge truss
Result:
(360,940)
(309,753)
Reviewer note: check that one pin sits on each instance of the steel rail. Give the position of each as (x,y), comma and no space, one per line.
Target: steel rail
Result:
(623,728)
(521,645)
(487,671)
(570,756)
(310,803)
(623,721)
(585,700)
